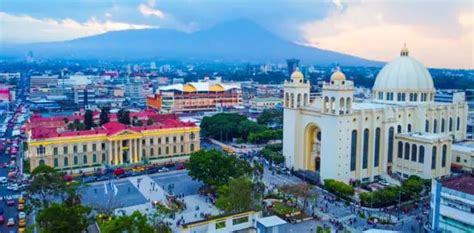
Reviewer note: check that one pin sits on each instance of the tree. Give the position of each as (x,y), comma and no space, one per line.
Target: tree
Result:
(413,186)
(63,218)
(123,116)
(270,116)
(104,115)
(149,121)
(246,127)
(237,196)
(214,168)
(301,190)
(136,222)
(339,188)
(88,119)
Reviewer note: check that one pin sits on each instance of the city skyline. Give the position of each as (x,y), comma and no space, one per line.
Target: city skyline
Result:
(439,33)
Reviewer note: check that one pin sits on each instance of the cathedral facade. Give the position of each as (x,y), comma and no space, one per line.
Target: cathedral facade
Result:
(401,131)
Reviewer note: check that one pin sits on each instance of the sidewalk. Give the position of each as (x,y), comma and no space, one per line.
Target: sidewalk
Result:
(151,190)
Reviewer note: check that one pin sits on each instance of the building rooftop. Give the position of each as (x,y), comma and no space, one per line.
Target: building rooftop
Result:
(465,146)
(56,127)
(271,221)
(423,135)
(463,184)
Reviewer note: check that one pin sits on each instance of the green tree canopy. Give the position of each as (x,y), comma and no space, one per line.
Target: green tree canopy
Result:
(63,218)
(215,169)
(123,116)
(89,119)
(413,186)
(134,223)
(338,187)
(104,115)
(271,116)
(238,195)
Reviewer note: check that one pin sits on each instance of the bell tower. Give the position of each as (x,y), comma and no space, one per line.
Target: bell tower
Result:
(338,94)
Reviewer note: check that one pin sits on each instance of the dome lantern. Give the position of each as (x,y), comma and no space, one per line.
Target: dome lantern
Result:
(404,52)
(297,76)
(338,75)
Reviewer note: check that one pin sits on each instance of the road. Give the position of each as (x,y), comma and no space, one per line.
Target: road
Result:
(11,212)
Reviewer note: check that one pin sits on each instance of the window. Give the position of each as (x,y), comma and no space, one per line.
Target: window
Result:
(181,138)
(151,141)
(399,129)
(443,158)
(220,225)
(55,151)
(433,158)
(167,150)
(415,97)
(458,123)
(400,149)
(94,158)
(403,96)
(192,147)
(40,150)
(450,124)
(421,158)
(399,97)
(427,126)
(152,152)
(174,149)
(65,150)
(56,163)
(66,161)
(442,125)
(192,136)
(103,146)
(167,140)
(103,157)
(174,139)
(414,149)
(94,147)
(74,149)
(159,140)
(75,160)
(84,148)
(240,220)
(84,159)
(182,148)
(435,126)
(159,150)
(365,153)
(458,159)
(353,150)
(380,95)
(390,144)
(377,147)
(407,151)
(409,128)
(411,97)
(41,162)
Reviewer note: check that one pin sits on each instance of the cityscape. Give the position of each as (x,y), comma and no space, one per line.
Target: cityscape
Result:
(140,116)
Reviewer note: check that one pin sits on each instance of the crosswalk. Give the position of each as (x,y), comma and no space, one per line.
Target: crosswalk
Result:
(14,196)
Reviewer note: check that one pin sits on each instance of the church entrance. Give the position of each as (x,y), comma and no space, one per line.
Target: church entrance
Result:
(312,148)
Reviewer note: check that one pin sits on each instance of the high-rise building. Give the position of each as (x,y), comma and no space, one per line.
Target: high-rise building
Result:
(292,65)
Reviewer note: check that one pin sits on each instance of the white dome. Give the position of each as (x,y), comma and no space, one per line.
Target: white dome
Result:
(404,74)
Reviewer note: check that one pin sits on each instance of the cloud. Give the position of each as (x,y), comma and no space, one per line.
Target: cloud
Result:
(438,36)
(148,9)
(25,29)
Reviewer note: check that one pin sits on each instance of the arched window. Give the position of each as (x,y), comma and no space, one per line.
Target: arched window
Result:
(56,163)
(365,152)
(450,124)
(305,99)
(84,159)
(292,100)
(348,105)
(390,144)
(298,100)
(400,150)
(192,147)
(415,97)
(411,96)
(435,126)
(75,160)
(174,149)
(421,158)
(443,156)
(442,125)
(167,150)
(433,157)
(414,149)
(427,126)
(152,152)
(159,150)
(287,99)
(66,161)
(377,147)
(94,158)
(353,150)
(407,151)
(409,128)
(182,148)
(458,124)
(399,129)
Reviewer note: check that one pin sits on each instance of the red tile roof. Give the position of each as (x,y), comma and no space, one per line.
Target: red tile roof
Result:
(463,184)
(53,127)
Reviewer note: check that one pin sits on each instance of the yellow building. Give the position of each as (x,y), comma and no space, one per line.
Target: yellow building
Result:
(166,140)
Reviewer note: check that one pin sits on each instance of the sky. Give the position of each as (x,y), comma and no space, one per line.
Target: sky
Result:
(439,33)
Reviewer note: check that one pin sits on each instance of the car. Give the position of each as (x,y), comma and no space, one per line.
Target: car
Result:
(89,179)
(13,187)
(163,169)
(22,215)
(10,202)
(3,180)
(11,222)
(21,206)
(22,223)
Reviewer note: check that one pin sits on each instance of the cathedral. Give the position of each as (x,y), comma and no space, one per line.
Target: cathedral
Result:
(400,131)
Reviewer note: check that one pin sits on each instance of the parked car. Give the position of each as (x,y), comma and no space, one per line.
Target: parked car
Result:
(11,222)
(22,215)
(3,180)
(163,169)
(10,202)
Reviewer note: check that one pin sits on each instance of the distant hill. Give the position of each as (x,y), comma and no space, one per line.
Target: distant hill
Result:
(238,40)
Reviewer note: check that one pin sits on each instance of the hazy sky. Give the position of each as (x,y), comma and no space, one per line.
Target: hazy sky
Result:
(439,33)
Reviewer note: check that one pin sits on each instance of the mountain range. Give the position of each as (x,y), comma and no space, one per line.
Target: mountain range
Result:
(237,40)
